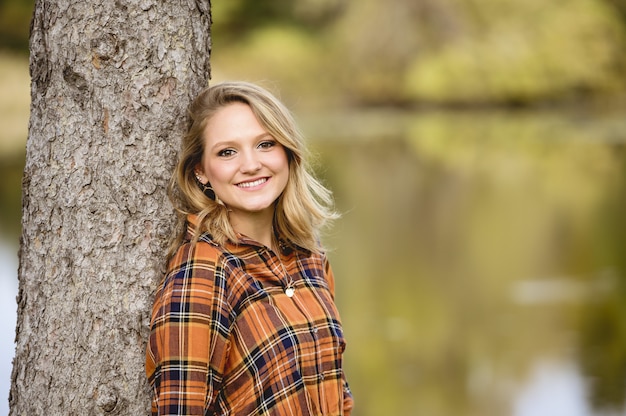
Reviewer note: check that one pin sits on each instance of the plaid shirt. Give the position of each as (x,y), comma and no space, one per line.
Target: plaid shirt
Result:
(226,340)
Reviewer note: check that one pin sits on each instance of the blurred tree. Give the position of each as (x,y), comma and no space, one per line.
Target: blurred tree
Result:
(15,16)
(602,352)
(602,344)
(467,52)
(619,7)
(239,18)
(110,84)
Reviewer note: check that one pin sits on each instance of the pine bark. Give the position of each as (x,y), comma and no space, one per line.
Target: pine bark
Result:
(110,82)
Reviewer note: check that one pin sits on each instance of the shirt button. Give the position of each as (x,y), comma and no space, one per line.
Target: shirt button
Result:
(315,330)
(321,377)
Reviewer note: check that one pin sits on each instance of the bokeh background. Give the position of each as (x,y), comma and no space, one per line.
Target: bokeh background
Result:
(476,149)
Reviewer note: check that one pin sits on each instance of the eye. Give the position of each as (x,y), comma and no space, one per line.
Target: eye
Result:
(267,144)
(226,153)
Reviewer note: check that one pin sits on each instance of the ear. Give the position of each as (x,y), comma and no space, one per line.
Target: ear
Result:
(199,172)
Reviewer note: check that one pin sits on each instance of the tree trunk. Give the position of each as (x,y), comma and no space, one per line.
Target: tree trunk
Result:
(111,80)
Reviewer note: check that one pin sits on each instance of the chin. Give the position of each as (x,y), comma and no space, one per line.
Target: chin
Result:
(256,208)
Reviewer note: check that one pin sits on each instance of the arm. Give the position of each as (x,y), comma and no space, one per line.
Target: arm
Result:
(186,351)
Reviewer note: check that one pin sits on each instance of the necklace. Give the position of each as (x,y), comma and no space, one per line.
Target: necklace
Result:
(289,289)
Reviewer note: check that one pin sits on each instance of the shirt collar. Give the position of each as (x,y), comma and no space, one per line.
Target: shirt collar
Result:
(285,246)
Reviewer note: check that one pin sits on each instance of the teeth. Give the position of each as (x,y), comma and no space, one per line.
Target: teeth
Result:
(251,184)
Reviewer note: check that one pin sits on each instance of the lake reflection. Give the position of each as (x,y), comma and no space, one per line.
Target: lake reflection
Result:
(479,262)
(8,306)
(475,246)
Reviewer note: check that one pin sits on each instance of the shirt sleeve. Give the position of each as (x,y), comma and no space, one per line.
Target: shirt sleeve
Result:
(348,401)
(329,276)
(188,334)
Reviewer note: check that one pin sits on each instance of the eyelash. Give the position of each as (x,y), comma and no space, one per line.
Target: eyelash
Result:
(225,153)
(267,144)
(264,145)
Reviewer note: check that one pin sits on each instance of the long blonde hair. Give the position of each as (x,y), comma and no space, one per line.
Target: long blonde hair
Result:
(301,210)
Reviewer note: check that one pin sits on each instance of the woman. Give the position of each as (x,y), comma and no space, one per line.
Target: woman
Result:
(244,322)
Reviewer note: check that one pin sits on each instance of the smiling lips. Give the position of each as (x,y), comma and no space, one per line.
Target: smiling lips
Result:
(252,184)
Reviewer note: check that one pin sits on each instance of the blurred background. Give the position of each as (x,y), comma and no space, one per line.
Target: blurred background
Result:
(477,152)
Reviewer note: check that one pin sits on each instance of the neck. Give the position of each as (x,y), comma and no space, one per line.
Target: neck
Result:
(258,227)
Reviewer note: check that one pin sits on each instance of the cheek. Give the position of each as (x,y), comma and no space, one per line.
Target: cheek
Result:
(281,161)
(216,173)
(285,174)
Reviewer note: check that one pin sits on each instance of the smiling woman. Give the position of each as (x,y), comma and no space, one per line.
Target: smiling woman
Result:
(244,321)
(246,167)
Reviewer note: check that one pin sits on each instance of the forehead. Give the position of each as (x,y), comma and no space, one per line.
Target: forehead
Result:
(234,120)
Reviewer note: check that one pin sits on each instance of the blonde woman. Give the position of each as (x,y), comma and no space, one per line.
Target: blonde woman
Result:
(244,322)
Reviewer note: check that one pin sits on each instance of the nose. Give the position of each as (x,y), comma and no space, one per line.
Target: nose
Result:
(250,162)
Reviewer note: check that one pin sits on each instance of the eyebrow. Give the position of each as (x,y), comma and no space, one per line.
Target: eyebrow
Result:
(223,143)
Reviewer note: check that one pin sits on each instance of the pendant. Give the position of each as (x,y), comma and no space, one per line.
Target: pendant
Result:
(289,291)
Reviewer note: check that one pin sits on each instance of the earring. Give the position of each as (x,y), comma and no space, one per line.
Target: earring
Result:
(206,188)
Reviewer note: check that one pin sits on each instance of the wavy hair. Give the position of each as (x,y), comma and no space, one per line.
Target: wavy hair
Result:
(304,206)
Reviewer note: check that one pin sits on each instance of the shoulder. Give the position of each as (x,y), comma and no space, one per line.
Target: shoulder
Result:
(201,254)
(313,263)
(323,269)
(197,274)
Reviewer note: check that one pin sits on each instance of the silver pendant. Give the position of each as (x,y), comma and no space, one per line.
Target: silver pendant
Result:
(289,291)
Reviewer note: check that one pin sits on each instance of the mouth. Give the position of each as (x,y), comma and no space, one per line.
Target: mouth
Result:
(253,183)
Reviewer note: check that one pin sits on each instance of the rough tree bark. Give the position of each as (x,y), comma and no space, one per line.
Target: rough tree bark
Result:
(110,83)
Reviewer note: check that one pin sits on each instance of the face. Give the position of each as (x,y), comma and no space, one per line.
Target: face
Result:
(247,168)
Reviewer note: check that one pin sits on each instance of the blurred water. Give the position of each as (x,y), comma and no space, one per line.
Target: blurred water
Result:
(479,262)
(555,389)
(8,292)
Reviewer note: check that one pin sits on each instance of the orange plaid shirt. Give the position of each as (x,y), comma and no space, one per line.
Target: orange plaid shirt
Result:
(226,340)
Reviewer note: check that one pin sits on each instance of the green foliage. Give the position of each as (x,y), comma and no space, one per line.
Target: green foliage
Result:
(401,52)
(15,18)
(236,19)
(539,52)
(462,52)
